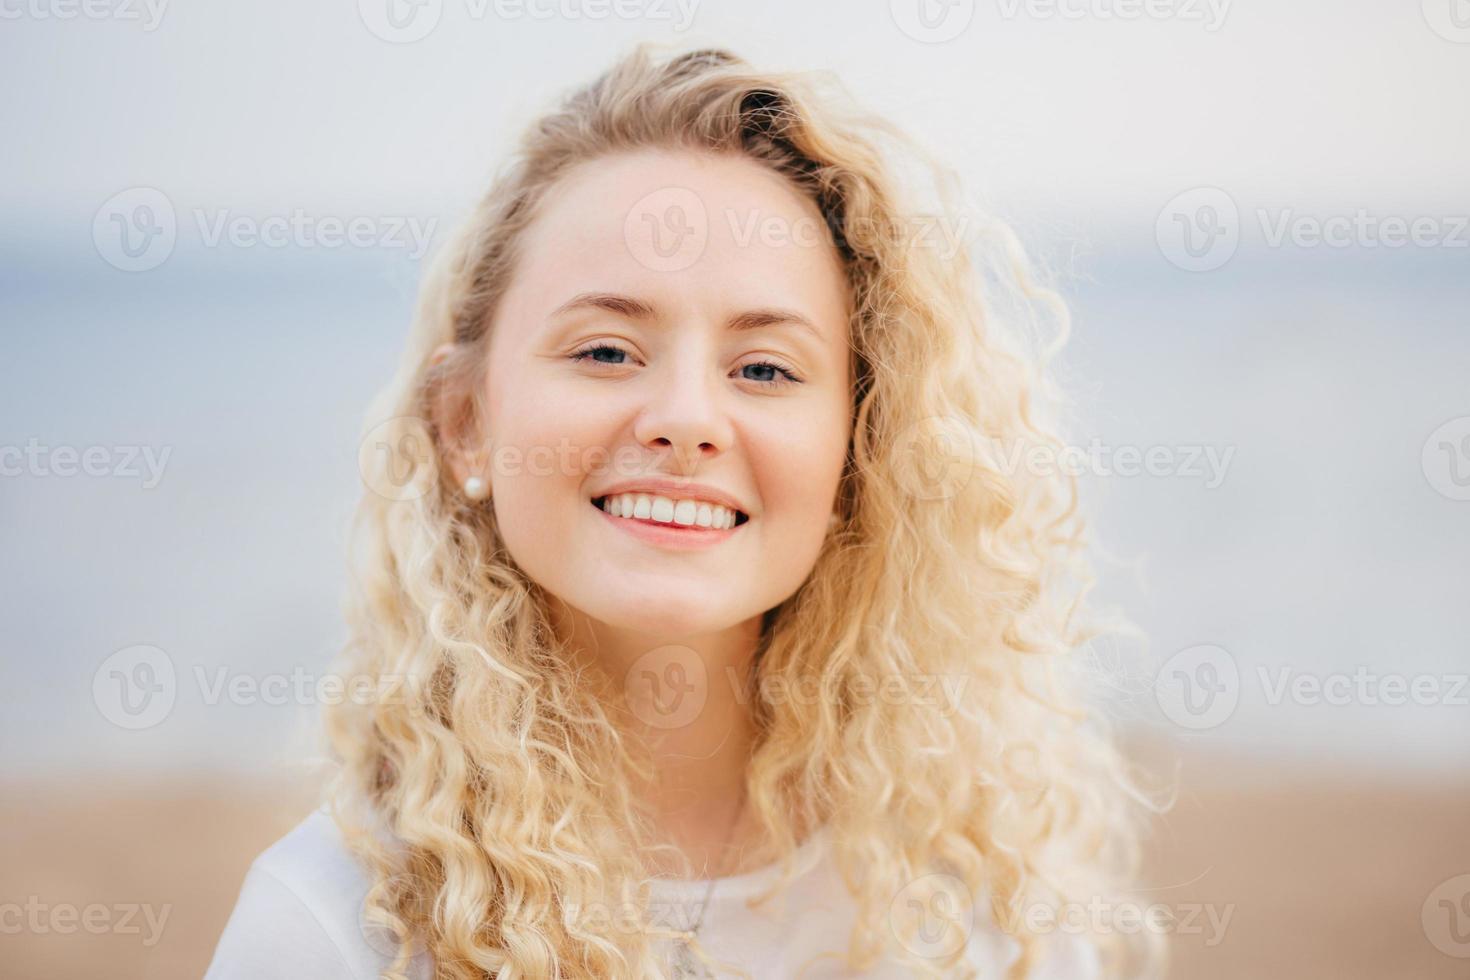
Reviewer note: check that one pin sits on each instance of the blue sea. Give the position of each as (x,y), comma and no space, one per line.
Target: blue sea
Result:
(1325,543)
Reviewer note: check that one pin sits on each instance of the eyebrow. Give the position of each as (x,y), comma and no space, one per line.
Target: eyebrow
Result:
(636,309)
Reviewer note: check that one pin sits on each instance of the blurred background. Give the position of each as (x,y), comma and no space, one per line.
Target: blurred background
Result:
(212,223)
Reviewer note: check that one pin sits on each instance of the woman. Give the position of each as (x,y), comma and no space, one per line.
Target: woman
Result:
(717,632)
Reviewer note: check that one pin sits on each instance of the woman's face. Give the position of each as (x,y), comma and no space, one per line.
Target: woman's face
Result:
(675,337)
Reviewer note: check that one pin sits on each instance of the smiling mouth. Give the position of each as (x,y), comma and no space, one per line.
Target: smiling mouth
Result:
(740,516)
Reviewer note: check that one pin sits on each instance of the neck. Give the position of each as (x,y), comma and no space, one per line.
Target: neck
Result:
(683,700)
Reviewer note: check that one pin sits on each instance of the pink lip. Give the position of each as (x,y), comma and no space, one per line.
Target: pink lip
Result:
(675,537)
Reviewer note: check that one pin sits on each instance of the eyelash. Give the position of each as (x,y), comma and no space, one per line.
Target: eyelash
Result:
(789,377)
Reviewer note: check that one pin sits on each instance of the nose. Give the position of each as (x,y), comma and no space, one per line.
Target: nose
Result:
(685,417)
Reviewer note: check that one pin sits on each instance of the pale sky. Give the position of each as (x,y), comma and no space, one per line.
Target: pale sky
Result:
(1048,103)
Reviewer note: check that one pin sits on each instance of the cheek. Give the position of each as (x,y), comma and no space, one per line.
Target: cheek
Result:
(799,465)
(797,468)
(544,448)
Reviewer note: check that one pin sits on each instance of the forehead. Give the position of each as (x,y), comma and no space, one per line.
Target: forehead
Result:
(687,227)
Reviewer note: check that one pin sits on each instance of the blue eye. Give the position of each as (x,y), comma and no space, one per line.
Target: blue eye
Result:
(786,377)
(772,375)
(588,352)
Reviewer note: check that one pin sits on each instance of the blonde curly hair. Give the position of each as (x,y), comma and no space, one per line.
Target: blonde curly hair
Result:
(482,800)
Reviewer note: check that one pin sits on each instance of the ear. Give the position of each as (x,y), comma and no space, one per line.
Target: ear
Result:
(452,407)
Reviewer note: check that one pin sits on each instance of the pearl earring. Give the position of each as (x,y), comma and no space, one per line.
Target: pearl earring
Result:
(476,488)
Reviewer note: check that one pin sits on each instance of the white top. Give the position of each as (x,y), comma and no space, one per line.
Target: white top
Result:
(298,916)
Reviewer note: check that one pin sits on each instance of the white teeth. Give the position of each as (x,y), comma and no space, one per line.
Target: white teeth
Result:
(667,510)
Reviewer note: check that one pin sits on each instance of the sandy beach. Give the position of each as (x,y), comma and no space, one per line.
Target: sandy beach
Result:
(1269,873)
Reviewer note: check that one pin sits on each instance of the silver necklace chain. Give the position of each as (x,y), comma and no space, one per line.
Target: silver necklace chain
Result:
(686,965)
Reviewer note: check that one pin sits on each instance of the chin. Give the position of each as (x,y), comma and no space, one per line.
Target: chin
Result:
(664,618)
